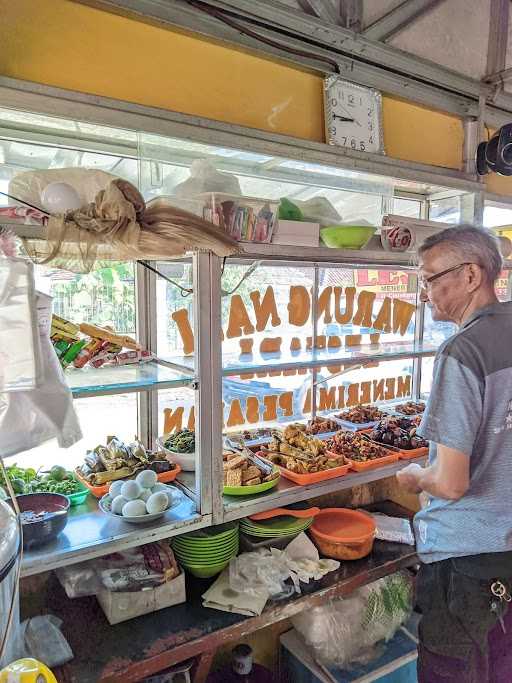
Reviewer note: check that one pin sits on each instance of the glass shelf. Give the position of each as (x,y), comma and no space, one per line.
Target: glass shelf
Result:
(123,379)
(236,364)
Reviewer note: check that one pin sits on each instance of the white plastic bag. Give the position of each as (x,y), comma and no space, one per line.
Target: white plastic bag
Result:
(204,177)
(29,418)
(318,210)
(394,529)
(348,630)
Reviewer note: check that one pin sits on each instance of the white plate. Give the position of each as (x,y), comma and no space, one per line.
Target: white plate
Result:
(106,502)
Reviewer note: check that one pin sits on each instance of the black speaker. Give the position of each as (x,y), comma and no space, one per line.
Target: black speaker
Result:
(496,155)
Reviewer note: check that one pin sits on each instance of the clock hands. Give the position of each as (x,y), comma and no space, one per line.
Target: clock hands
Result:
(343,118)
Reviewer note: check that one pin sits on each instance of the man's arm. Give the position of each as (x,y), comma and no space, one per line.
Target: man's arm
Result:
(447,478)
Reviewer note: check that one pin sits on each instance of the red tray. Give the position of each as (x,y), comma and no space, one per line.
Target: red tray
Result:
(314,477)
(102,489)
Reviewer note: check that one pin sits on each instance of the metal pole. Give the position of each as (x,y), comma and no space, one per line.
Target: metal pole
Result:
(147,401)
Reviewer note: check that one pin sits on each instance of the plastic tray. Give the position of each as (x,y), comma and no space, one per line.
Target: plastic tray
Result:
(374,464)
(314,477)
(102,490)
(353,426)
(251,490)
(413,453)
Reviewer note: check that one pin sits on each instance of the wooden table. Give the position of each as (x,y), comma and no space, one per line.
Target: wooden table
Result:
(130,651)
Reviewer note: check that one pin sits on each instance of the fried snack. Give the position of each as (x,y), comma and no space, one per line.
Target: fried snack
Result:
(321,425)
(250,473)
(361,414)
(354,446)
(411,408)
(234,463)
(252,482)
(234,477)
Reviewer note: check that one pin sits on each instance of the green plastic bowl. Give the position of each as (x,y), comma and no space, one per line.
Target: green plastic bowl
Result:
(79,497)
(347,236)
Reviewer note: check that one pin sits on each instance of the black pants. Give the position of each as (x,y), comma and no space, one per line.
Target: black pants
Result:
(454,597)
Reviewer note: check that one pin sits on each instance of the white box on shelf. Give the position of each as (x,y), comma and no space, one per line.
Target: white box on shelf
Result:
(296,233)
(123,606)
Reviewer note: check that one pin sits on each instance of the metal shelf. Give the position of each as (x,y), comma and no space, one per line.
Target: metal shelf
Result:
(123,379)
(90,533)
(286,492)
(236,364)
(284,252)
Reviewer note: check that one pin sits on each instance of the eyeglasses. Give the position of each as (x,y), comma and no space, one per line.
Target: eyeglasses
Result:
(426,282)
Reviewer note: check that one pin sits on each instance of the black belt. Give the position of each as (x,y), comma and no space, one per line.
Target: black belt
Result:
(4,571)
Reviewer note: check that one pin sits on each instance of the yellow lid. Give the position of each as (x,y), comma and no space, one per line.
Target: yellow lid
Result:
(27,670)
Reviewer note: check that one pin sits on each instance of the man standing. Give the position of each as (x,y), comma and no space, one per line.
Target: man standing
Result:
(464,530)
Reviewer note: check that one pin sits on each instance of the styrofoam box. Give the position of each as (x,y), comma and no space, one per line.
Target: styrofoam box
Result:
(123,606)
(396,665)
(296,233)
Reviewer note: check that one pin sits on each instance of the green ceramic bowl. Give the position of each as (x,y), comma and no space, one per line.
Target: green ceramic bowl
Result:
(205,552)
(205,545)
(213,558)
(347,236)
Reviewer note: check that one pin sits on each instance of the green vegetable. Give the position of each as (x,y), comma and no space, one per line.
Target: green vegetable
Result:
(183,441)
(66,487)
(58,473)
(18,486)
(288,211)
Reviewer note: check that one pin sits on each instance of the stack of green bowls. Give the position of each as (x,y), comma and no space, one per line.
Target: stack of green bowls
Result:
(275,527)
(207,552)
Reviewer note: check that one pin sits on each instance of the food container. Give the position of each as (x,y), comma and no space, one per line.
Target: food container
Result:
(245,219)
(187,461)
(252,490)
(102,490)
(79,497)
(52,511)
(412,453)
(343,534)
(353,426)
(347,236)
(105,505)
(120,606)
(388,459)
(313,477)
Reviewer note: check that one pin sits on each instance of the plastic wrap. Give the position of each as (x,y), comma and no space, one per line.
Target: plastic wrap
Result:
(350,630)
(393,529)
(204,177)
(133,570)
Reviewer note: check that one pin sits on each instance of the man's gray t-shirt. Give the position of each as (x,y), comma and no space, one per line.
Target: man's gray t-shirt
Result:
(470,409)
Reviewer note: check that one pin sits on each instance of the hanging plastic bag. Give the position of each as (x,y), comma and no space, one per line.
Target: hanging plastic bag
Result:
(29,418)
(204,177)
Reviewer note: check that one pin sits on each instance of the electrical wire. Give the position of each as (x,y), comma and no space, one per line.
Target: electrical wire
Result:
(22,201)
(249,272)
(224,18)
(185,291)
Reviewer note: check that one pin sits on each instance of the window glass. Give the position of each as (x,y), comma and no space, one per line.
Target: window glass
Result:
(99,417)
(175,311)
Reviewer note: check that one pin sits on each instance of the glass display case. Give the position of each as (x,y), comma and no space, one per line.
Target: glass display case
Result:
(275,334)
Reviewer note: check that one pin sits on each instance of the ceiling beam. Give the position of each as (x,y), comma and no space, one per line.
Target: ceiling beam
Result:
(351,14)
(323,9)
(399,18)
(498,37)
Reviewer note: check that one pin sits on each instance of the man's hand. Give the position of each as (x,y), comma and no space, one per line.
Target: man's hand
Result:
(409,477)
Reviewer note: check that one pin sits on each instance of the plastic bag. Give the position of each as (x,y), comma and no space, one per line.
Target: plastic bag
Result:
(349,630)
(132,570)
(395,529)
(43,640)
(318,210)
(204,177)
(29,185)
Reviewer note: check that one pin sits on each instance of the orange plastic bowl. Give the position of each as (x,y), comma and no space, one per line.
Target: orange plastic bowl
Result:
(343,534)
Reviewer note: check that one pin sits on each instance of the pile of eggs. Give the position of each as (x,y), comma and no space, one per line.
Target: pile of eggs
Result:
(141,496)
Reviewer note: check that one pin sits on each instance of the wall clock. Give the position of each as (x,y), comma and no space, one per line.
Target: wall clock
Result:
(353,116)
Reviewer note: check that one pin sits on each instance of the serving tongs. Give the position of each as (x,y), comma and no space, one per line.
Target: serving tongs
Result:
(241,449)
(378,443)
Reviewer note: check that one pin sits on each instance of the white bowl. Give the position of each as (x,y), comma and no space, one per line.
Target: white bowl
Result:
(187,461)
(105,504)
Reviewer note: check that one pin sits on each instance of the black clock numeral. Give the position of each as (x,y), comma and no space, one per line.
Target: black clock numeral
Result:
(370,139)
(370,126)
(334,102)
(370,112)
(353,143)
(344,138)
(333,130)
(351,99)
(362,146)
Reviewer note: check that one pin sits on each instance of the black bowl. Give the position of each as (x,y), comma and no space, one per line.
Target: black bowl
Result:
(43,516)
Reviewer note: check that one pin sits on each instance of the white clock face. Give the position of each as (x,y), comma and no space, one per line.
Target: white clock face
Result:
(353,116)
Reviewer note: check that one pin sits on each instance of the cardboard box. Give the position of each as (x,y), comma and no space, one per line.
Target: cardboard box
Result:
(396,665)
(123,606)
(296,233)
